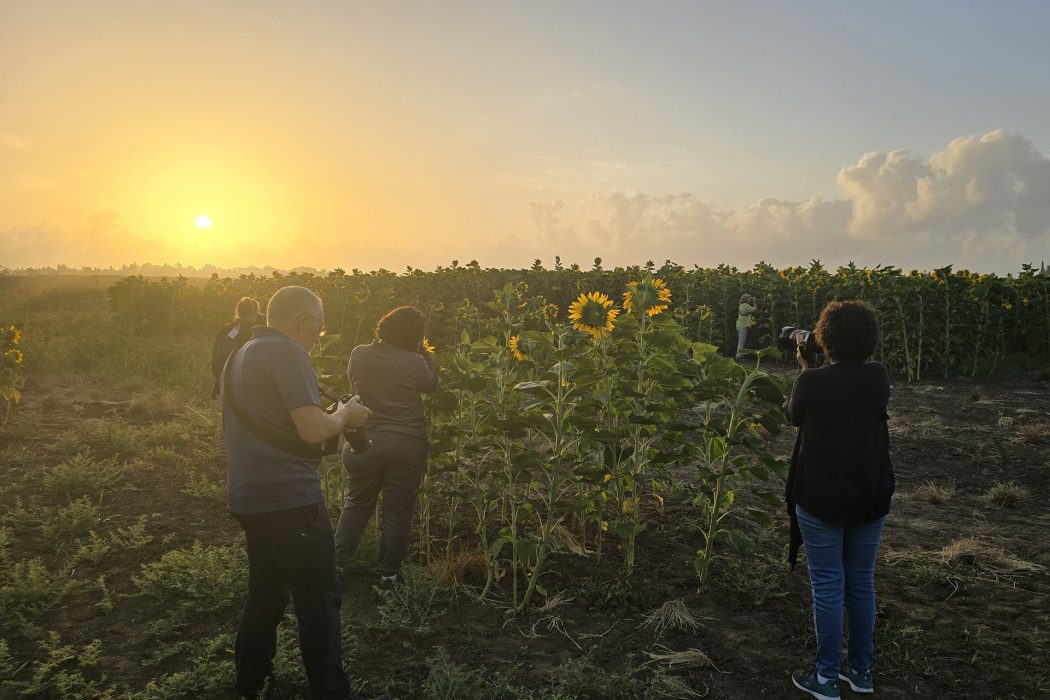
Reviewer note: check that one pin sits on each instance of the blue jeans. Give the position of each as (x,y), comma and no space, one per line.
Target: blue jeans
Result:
(841,561)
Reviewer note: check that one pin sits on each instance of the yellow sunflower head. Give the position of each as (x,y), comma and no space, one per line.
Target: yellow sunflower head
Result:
(593,313)
(428,346)
(648,296)
(516,349)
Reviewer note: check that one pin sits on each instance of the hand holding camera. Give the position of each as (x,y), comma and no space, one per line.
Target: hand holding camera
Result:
(803,342)
(355,415)
(353,412)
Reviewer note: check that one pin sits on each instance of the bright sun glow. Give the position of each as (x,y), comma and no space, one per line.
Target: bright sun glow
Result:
(203,221)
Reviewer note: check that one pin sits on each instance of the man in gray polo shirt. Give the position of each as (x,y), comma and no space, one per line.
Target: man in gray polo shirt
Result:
(273,424)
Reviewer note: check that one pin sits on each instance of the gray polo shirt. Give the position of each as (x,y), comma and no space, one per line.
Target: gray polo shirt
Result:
(269,377)
(389,381)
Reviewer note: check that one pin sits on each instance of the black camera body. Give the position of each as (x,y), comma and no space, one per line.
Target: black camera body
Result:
(806,341)
(357,438)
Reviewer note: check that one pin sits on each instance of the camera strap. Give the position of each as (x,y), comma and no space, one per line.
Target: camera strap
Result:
(296,448)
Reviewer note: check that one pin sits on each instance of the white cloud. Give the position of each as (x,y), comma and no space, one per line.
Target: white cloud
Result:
(982,202)
(997,183)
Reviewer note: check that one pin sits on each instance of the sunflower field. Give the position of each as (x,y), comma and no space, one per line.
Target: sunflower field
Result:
(940,323)
(577,404)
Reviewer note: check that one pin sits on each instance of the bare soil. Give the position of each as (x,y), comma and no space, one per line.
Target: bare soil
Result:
(972,621)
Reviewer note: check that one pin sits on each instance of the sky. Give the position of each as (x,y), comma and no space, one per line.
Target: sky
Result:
(391,134)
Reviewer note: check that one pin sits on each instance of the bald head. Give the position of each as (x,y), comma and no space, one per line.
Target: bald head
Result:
(288,303)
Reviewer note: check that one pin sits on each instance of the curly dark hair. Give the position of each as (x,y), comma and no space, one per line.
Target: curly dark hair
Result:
(402,327)
(848,331)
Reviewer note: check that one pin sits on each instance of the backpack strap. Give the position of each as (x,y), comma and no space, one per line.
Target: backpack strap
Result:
(296,448)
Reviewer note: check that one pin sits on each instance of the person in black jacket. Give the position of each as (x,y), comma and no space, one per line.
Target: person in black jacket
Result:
(389,374)
(839,489)
(233,335)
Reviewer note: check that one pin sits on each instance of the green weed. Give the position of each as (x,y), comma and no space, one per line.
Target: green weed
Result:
(415,604)
(29,587)
(208,673)
(447,680)
(90,550)
(82,476)
(756,578)
(608,593)
(582,679)
(132,536)
(60,674)
(69,522)
(199,484)
(198,579)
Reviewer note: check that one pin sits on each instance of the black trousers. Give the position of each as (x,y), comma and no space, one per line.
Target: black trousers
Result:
(291,551)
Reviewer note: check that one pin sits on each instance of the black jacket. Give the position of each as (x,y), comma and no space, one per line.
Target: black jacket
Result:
(840,468)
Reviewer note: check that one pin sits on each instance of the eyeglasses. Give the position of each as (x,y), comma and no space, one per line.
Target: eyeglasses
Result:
(324,328)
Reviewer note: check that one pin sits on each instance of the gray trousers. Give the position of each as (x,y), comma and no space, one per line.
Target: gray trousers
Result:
(741,340)
(395,466)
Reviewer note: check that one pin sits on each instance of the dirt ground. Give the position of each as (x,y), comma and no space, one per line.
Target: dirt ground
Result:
(970,621)
(962,580)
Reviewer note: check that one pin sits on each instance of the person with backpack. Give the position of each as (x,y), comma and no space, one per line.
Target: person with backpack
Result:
(233,335)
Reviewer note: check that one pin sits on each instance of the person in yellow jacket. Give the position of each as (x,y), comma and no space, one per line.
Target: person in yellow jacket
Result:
(748,306)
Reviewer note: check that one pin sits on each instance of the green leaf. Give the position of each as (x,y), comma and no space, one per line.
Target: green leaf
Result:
(761,516)
(740,541)
(536,384)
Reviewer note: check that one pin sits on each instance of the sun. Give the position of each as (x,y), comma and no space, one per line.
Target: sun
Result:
(203,221)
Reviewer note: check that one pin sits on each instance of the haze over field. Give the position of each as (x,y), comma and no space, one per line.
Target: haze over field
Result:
(368,134)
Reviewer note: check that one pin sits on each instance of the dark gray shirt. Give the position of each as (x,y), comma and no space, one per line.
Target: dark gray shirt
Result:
(389,381)
(269,377)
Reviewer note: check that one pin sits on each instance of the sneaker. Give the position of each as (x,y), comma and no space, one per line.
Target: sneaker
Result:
(859,682)
(385,582)
(807,681)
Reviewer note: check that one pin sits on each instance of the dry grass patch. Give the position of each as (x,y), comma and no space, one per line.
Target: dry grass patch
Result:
(932,492)
(1005,422)
(462,568)
(964,558)
(687,658)
(667,686)
(1005,495)
(562,540)
(986,558)
(1033,433)
(672,615)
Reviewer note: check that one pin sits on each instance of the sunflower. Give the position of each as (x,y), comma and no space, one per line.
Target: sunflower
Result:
(648,295)
(426,345)
(516,350)
(594,314)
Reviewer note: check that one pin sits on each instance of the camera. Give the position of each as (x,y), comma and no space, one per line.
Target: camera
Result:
(806,342)
(357,437)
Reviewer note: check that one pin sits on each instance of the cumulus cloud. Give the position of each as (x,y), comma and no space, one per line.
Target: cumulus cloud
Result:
(983,202)
(994,183)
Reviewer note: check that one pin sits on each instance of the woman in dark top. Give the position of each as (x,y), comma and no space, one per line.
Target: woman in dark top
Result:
(839,489)
(389,374)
